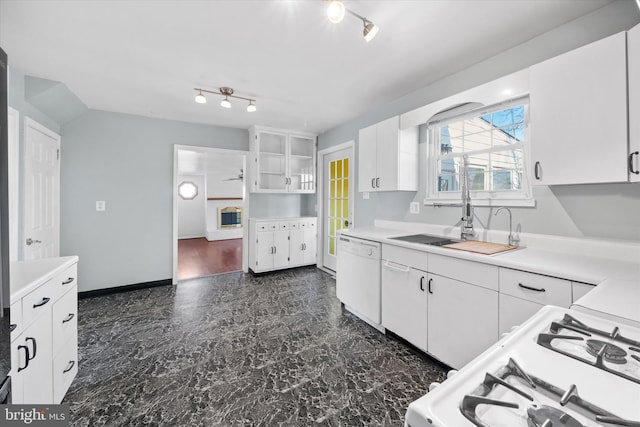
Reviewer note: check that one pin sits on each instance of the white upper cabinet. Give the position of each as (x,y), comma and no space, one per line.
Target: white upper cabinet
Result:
(388,157)
(633,48)
(282,161)
(578,107)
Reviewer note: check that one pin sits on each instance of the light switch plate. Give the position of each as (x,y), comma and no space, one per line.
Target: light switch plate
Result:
(414,207)
(101,206)
(365,195)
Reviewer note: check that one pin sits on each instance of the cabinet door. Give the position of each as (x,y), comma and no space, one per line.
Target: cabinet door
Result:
(514,311)
(367,159)
(404,302)
(310,246)
(578,110)
(271,162)
(296,247)
(462,320)
(633,47)
(387,154)
(281,244)
(302,164)
(37,378)
(264,251)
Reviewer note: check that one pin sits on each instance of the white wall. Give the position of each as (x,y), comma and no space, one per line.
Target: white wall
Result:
(191,213)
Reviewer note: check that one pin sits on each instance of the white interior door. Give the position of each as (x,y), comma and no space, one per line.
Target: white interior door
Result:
(41,224)
(14,179)
(337,200)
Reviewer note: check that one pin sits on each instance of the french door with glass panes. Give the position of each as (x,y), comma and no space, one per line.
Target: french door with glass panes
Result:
(337,200)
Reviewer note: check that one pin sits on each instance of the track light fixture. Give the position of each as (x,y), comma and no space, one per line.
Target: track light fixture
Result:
(227,92)
(336,12)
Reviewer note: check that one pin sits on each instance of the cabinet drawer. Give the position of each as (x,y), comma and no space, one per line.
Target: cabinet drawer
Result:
(535,287)
(262,226)
(65,368)
(404,256)
(308,223)
(36,303)
(65,319)
(15,317)
(466,271)
(294,225)
(67,279)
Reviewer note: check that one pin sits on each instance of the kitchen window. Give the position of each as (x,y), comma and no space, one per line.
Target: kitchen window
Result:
(496,141)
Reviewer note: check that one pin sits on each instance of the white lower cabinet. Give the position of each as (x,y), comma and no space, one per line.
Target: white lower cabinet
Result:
(44,343)
(32,354)
(281,243)
(514,311)
(462,320)
(404,302)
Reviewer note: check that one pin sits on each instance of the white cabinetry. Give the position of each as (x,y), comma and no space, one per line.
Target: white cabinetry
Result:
(282,161)
(633,49)
(388,157)
(522,294)
(404,296)
(447,317)
(281,243)
(44,356)
(578,110)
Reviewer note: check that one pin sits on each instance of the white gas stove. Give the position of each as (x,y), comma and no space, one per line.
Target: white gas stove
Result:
(560,368)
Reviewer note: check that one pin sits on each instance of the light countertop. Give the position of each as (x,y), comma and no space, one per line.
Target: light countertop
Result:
(27,275)
(563,264)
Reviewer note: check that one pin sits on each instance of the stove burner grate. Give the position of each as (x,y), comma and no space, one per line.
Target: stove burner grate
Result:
(611,353)
(537,415)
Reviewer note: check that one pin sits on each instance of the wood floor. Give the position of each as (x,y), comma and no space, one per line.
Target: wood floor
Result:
(199,257)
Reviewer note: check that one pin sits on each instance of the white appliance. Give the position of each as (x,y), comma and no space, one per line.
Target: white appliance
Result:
(562,367)
(358,278)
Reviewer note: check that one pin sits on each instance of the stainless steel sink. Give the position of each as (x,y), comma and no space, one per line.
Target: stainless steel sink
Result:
(426,239)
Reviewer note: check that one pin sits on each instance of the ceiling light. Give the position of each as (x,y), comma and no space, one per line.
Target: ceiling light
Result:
(200,98)
(227,92)
(336,11)
(370,30)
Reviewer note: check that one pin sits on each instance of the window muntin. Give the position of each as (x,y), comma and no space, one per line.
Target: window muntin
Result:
(495,139)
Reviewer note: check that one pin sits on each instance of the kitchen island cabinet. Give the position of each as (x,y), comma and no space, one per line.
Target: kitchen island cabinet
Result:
(44,341)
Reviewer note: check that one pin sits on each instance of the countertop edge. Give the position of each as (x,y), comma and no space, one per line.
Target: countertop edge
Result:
(29,275)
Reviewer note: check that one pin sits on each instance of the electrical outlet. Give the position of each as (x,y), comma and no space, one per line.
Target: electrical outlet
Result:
(101,206)
(414,207)
(365,195)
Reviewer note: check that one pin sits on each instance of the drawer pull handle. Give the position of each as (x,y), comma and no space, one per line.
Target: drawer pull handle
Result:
(69,280)
(35,347)
(26,352)
(68,319)
(69,366)
(531,288)
(422,283)
(41,303)
(12,327)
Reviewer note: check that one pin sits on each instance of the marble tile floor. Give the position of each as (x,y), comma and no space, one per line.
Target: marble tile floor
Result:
(240,350)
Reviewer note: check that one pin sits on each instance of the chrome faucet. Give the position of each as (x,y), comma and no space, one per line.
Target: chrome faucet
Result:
(513,240)
(466,230)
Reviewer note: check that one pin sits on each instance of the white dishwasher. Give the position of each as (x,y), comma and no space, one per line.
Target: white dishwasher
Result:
(358,278)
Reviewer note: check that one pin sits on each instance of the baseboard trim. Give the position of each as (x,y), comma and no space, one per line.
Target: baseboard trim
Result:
(125,288)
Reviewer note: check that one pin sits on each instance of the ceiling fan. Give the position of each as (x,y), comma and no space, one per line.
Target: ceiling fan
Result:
(240,177)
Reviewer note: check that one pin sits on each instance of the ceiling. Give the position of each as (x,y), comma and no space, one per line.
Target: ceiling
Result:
(144,57)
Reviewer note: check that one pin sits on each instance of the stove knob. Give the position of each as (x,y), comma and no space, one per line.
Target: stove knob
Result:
(433,386)
(451,373)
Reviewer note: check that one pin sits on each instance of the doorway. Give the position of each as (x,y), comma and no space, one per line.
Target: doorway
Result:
(335,198)
(210,212)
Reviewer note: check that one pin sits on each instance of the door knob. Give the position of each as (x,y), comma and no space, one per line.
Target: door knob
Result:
(30,241)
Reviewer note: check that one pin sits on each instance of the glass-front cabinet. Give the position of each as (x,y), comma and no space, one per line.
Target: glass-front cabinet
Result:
(282,161)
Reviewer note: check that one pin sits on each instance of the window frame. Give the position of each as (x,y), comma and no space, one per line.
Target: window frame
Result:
(522,197)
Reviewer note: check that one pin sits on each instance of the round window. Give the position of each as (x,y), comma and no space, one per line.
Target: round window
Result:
(188,190)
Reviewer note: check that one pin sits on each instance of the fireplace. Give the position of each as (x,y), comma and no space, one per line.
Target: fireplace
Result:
(230,217)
